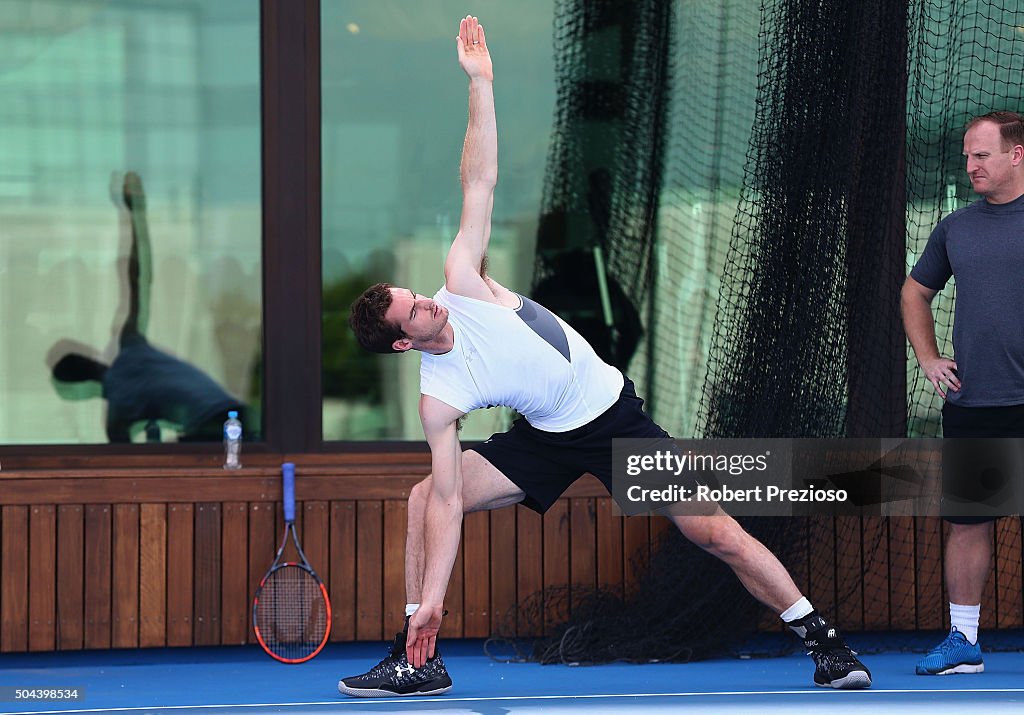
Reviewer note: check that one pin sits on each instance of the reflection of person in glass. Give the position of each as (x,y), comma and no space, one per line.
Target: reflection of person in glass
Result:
(983,384)
(481,345)
(144,385)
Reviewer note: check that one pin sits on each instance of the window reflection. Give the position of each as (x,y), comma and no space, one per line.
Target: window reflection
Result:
(169,90)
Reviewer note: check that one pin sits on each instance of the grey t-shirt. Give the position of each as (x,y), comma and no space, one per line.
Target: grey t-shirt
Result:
(982,245)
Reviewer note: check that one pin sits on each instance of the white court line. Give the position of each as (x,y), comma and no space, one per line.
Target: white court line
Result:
(412,700)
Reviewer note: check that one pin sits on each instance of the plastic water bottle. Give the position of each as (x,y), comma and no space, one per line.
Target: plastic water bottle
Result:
(232,441)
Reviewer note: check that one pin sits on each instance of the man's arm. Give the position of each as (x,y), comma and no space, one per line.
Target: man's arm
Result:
(463,269)
(128,192)
(919,324)
(442,526)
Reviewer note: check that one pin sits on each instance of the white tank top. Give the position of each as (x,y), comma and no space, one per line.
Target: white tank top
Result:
(527,358)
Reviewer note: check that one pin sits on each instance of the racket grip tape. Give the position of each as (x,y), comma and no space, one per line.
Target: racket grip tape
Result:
(288,475)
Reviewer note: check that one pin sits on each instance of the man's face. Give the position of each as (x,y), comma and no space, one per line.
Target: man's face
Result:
(419,317)
(990,165)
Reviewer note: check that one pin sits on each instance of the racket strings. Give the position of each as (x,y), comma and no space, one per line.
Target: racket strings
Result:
(291,613)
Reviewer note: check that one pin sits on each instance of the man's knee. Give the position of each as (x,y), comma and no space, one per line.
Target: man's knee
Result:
(419,493)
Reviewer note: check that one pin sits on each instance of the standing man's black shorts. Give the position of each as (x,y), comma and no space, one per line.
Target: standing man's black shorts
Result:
(544,464)
(982,462)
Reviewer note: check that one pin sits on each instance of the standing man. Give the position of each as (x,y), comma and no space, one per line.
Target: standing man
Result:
(483,345)
(982,245)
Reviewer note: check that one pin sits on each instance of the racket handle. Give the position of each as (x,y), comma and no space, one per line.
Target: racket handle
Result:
(288,474)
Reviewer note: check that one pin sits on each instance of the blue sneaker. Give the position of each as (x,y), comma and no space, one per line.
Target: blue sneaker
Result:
(953,655)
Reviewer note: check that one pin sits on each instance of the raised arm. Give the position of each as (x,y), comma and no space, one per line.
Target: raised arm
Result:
(464,267)
(442,526)
(129,193)
(919,324)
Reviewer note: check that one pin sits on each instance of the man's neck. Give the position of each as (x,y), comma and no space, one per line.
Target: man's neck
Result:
(442,343)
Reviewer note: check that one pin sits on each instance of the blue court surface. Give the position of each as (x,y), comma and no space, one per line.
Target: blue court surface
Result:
(244,680)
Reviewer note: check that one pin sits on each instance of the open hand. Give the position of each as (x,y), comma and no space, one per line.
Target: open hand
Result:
(474,58)
(421,640)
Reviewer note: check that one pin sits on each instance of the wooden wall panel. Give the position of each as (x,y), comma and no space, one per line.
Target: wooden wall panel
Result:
(180,572)
(902,573)
(556,564)
(342,586)
(636,548)
(821,559)
(42,578)
(208,571)
(1008,576)
(529,571)
(315,538)
(125,577)
(850,576)
(989,616)
(370,560)
(455,622)
(71,612)
(394,566)
(152,575)
(14,582)
(503,570)
(235,598)
(98,556)
(262,545)
(476,573)
(875,545)
(609,546)
(582,546)
(928,573)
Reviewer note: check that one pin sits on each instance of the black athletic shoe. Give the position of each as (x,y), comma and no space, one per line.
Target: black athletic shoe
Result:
(395,676)
(836,666)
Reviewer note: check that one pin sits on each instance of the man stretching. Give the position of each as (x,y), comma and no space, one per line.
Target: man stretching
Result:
(483,345)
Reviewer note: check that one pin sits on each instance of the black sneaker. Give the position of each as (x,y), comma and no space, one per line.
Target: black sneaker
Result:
(395,676)
(836,665)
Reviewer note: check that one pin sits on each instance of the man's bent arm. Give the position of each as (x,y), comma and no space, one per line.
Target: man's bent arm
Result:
(478,170)
(919,324)
(442,525)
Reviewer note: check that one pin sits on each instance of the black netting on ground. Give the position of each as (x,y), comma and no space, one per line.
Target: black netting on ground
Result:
(807,151)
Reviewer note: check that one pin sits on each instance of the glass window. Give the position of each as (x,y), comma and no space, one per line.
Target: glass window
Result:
(394,117)
(130,260)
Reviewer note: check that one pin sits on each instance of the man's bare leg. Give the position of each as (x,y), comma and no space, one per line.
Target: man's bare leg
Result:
(767,580)
(968,561)
(483,488)
(757,568)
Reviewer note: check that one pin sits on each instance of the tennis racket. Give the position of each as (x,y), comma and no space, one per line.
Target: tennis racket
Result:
(291,613)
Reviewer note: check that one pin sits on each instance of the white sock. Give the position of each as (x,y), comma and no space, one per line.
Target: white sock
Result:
(797,611)
(965,619)
(410,608)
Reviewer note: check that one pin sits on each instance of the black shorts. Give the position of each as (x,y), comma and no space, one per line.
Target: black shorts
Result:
(980,466)
(544,464)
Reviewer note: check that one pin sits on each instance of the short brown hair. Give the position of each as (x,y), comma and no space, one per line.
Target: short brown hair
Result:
(1011,127)
(367,320)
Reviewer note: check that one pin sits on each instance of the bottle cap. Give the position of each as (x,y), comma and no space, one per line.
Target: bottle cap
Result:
(232,415)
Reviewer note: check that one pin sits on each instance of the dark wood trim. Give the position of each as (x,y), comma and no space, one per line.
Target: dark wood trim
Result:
(290,44)
(377,477)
